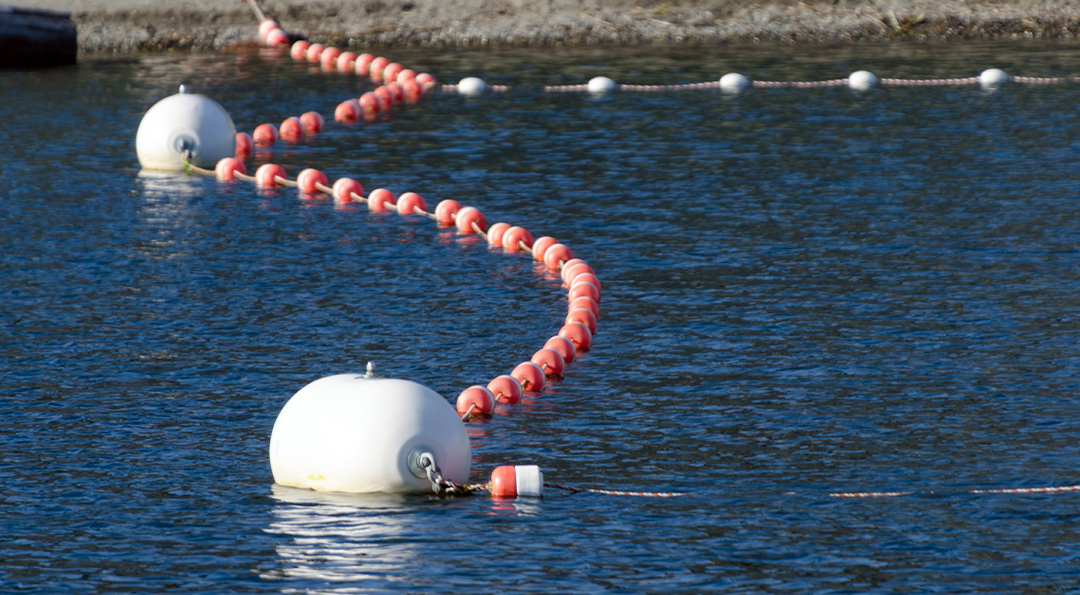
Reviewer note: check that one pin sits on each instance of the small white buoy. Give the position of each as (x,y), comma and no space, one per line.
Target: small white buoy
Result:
(601,85)
(359,433)
(993,77)
(184,122)
(733,82)
(472,85)
(862,80)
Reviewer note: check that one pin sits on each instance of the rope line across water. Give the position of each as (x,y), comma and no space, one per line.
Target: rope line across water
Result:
(401,85)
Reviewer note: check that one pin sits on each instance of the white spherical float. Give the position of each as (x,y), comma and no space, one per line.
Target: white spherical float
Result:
(185,122)
(862,80)
(359,433)
(472,85)
(993,77)
(601,85)
(733,82)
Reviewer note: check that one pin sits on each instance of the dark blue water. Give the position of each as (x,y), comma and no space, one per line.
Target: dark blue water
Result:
(805,292)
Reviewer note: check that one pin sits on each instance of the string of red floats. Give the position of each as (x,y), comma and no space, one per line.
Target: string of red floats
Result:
(399,84)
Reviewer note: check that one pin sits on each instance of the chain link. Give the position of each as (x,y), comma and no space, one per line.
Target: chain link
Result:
(440,485)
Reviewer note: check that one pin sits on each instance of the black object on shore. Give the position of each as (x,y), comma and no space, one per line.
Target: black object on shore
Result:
(35,38)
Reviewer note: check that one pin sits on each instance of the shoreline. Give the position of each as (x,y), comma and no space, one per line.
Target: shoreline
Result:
(130,26)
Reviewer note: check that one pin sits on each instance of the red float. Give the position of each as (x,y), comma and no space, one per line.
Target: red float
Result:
(410,201)
(506,389)
(347,190)
(478,398)
(530,375)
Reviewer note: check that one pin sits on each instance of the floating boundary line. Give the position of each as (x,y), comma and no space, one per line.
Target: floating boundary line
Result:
(474,222)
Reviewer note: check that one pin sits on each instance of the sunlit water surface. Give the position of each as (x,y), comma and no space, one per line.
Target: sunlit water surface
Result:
(805,292)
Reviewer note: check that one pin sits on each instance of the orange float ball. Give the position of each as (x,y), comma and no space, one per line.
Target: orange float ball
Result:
(410,201)
(328,58)
(363,64)
(578,333)
(267,175)
(568,266)
(379,197)
(530,375)
(309,180)
(299,50)
(556,255)
(369,103)
(427,81)
(515,237)
(228,167)
(413,92)
(347,111)
(277,37)
(478,397)
(313,121)
(541,245)
(495,233)
(386,99)
(445,212)
(506,389)
(407,74)
(570,272)
(584,316)
(469,219)
(391,71)
(564,346)
(345,61)
(587,303)
(314,51)
(397,92)
(292,130)
(347,190)
(264,135)
(375,70)
(244,144)
(586,278)
(266,26)
(550,361)
(584,289)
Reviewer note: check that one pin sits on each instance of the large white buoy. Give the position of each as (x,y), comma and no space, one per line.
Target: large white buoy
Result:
(359,433)
(185,122)
(993,77)
(601,85)
(472,85)
(733,82)
(862,80)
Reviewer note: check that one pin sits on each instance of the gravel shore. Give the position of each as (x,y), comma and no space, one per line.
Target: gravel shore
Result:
(123,26)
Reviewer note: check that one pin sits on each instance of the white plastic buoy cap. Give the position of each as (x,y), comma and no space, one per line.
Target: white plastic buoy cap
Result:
(862,80)
(733,82)
(472,85)
(993,77)
(602,84)
(184,122)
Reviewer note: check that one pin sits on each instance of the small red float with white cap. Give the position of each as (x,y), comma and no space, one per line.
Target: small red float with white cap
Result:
(515,481)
